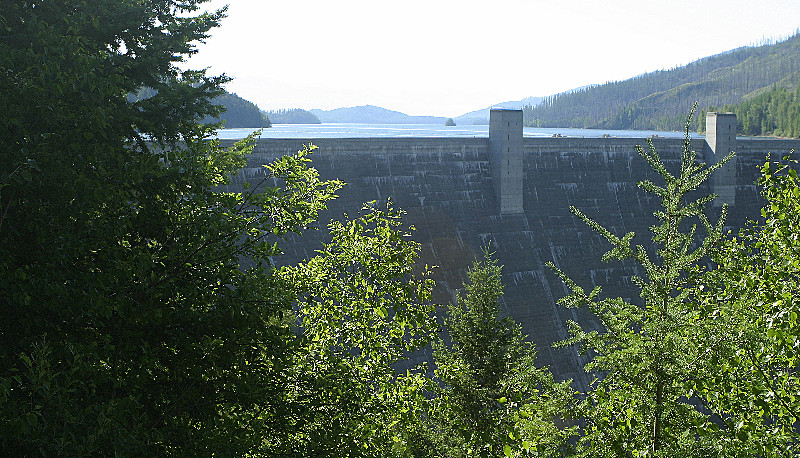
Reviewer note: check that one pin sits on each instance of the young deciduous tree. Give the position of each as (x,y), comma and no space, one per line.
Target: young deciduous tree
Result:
(753,298)
(648,356)
(362,310)
(491,399)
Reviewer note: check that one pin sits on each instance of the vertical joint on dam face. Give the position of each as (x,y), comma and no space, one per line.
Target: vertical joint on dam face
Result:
(505,158)
(721,140)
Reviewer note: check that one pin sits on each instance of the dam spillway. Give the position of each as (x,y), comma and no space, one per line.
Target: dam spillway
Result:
(447,189)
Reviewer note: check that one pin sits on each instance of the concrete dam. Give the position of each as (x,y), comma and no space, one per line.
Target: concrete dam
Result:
(514,193)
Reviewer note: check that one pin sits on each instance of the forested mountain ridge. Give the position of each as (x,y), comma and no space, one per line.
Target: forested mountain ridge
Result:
(372,114)
(775,112)
(661,99)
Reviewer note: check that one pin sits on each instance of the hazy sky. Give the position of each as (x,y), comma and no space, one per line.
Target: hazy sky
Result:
(446,58)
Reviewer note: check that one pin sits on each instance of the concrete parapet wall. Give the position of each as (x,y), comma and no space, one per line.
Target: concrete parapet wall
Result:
(762,146)
(374,146)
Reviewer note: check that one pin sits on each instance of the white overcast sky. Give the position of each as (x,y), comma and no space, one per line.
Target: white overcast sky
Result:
(446,58)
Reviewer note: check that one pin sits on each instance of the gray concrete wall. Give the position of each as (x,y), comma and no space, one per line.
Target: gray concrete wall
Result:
(446,187)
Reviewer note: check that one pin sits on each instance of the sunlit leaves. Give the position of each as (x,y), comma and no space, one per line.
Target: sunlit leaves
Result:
(754,294)
(362,307)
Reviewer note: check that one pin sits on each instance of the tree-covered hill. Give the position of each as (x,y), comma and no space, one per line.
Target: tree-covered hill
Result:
(239,112)
(660,100)
(370,114)
(236,111)
(292,116)
(776,112)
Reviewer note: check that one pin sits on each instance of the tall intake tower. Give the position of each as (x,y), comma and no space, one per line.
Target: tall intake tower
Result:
(721,140)
(505,159)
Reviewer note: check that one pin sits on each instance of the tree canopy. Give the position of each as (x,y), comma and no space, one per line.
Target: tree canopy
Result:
(130,325)
(142,312)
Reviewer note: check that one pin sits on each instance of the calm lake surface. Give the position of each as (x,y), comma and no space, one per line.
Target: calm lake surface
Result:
(303,131)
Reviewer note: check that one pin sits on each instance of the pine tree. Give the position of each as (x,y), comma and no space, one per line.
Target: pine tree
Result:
(492,400)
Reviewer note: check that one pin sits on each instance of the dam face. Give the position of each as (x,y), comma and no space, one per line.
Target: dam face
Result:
(447,188)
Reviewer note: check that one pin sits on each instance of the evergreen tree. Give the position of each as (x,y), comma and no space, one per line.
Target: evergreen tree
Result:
(130,324)
(647,357)
(492,400)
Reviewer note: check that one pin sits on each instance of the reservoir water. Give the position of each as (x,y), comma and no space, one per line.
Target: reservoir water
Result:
(332,130)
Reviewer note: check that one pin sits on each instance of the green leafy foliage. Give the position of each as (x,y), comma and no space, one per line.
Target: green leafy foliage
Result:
(491,400)
(142,314)
(753,296)
(362,309)
(647,357)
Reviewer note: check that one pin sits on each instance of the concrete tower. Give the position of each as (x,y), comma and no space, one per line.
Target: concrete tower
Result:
(505,158)
(721,140)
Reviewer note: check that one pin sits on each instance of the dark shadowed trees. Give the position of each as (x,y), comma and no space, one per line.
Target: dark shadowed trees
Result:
(129,324)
